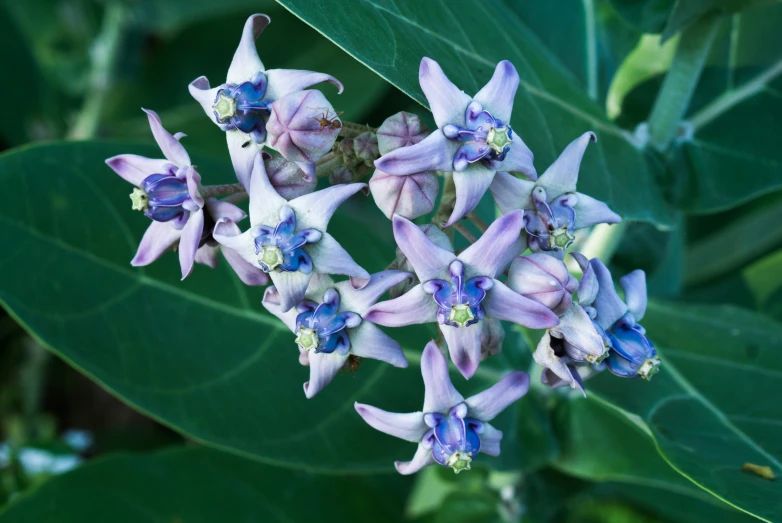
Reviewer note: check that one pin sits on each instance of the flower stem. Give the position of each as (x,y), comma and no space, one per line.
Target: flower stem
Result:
(477,221)
(447,201)
(219,190)
(603,241)
(461,229)
(680,82)
(327,164)
(236,197)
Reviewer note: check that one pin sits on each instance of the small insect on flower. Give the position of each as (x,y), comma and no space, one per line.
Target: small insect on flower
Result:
(352,364)
(325,120)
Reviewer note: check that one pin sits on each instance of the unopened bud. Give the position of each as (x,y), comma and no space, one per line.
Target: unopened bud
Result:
(400,130)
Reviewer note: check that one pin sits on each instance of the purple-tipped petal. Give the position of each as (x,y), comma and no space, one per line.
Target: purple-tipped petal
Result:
(314,210)
(134,168)
(634,286)
(590,211)
(607,302)
(409,426)
(487,405)
(562,175)
(471,185)
(323,368)
(204,95)
(490,254)
(172,149)
(158,238)
(193,180)
(329,257)
(359,300)
(511,193)
(248,273)
(544,279)
(422,458)
(208,255)
(490,440)
(219,209)
(502,303)
(243,244)
(519,159)
(497,95)
(447,102)
(291,286)
(428,260)
(271,302)
(246,61)
(464,346)
(286,81)
(588,286)
(243,152)
(288,179)
(439,395)
(188,243)
(433,153)
(413,307)
(265,202)
(368,341)
(408,196)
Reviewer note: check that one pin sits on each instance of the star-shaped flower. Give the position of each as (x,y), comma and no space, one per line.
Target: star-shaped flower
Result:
(450,430)
(474,139)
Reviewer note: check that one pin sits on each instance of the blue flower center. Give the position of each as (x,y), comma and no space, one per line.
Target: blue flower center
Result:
(281,248)
(242,107)
(322,327)
(454,437)
(552,224)
(459,301)
(632,353)
(485,138)
(161,197)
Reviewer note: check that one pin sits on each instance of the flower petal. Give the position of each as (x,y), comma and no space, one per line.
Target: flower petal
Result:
(188,243)
(433,153)
(439,393)
(447,102)
(490,440)
(134,168)
(545,357)
(411,308)
(590,211)
(502,303)
(286,81)
(204,95)
(588,286)
(368,341)
(634,286)
(314,210)
(511,193)
(408,426)
(219,209)
(323,368)
(519,159)
(359,300)
(158,238)
(265,202)
(471,185)
(501,242)
(247,272)
(422,458)
(464,346)
(488,404)
(246,61)
(172,149)
(579,332)
(242,244)
(291,286)
(607,302)
(329,257)
(208,255)
(562,175)
(497,95)
(428,260)
(243,152)
(408,196)
(271,302)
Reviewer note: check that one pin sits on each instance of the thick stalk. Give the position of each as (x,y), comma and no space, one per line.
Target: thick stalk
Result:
(603,241)
(207,191)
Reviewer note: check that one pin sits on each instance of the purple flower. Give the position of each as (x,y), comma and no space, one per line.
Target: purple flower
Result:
(450,430)
(553,210)
(474,138)
(329,325)
(544,279)
(288,239)
(244,104)
(459,291)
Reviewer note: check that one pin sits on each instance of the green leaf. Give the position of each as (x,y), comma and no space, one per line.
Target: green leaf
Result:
(205,486)
(764,278)
(687,12)
(550,108)
(709,409)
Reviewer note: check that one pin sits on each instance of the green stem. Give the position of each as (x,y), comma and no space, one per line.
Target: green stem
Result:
(674,97)
(351,130)
(327,164)
(207,191)
(447,201)
(603,241)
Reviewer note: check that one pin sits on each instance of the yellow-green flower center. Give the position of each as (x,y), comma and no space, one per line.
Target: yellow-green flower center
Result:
(271,257)
(461,314)
(307,339)
(561,237)
(591,358)
(498,138)
(140,199)
(649,368)
(459,461)
(225,106)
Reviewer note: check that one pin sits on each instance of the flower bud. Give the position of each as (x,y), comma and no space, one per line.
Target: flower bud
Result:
(340,175)
(400,130)
(286,177)
(408,196)
(365,147)
(545,279)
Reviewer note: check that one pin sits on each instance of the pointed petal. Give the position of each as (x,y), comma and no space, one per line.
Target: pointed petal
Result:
(447,102)
(243,152)
(562,175)
(433,153)
(134,168)
(329,257)
(634,286)
(497,95)
(489,255)
(579,332)
(545,357)
(519,159)
(464,346)
(511,193)
(471,185)
(588,286)
(368,341)
(323,368)
(490,440)
(409,426)
(208,255)
(590,211)
(285,81)
(219,209)
(158,238)
(271,302)
(246,61)
(428,260)
(359,300)
(422,458)
(607,302)
(439,395)
(291,286)
(204,95)
(248,273)
(188,243)
(502,303)
(488,404)
(172,149)
(243,244)
(411,308)
(265,202)
(314,210)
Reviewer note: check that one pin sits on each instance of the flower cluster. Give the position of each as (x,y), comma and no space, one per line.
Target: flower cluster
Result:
(282,136)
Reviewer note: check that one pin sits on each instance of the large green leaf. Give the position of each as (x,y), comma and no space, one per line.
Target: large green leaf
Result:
(205,486)
(468,39)
(711,409)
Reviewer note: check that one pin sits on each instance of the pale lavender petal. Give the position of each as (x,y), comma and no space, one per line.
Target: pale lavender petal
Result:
(562,175)
(323,368)
(208,255)
(471,185)
(579,332)
(543,278)
(413,307)
(314,210)
(439,393)
(588,286)
(433,153)
(368,341)
(288,179)
(329,257)
(286,81)
(188,243)
(271,302)
(447,102)
(511,193)
(422,458)
(246,61)
(219,209)
(464,346)
(359,300)
(134,168)
(503,304)
(247,272)
(489,255)
(590,211)
(193,183)
(497,95)
(172,149)
(408,196)
(519,159)
(490,440)
(488,404)
(634,286)
(292,286)
(428,260)
(242,244)
(158,238)
(582,261)
(607,302)
(409,426)
(545,357)
(204,95)
(265,202)
(243,152)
